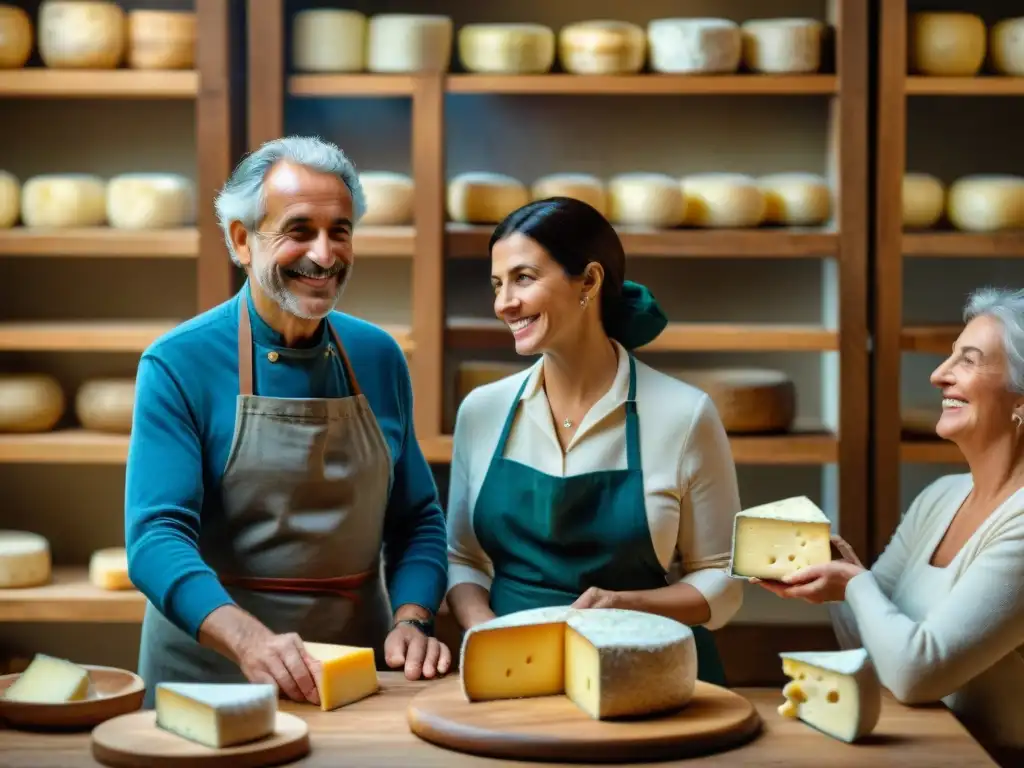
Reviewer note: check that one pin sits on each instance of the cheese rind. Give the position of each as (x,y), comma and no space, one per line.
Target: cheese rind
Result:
(150,201)
(1006,46)
(217,715)
(699,46)
(602,47)
(782,46)
(161,39)
(64,200)
(748,400)
(399,42)
(645,200)
(77,34)
(986,203)
(25,560)
(30,402)
(946,44)
(347,673)
(389,198)
(481,197)
(106,405)
(511,49)
(329,40)
(579,186)
(51,680)
(924,200)
(15,37)
(108,569)
(10,200)
(716,200)
(773,540)
(796,199)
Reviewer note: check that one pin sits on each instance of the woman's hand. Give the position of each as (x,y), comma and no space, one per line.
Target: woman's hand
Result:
(598,598)
(824,583)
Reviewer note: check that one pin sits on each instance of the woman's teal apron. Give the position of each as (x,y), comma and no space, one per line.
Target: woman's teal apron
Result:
(551,538)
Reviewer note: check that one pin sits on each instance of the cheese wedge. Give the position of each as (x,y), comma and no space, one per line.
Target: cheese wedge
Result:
(49,680)
(108,569)
(348,673)
(217,715)
(773,540)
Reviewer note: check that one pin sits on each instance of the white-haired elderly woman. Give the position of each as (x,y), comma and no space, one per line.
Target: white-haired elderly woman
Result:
(941,612)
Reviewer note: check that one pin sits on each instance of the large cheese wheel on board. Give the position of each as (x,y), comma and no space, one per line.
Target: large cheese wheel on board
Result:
(25,560)
(919,422)
(150,201)
(15,37)
(782,46)
(161,39)
(723,200)
(82,34)
(986,203)
(508,49)
(796,199)
(482,197)
(108,569)
(645,200)
(64,200)
(748,400)
(579,186)
(329,40)
(30,402)
(105,405)
(398,42)
(924,200)
(390,198)
(471,375)
(694,46)
(10,200)
(602,47)
(1006,47)
(946,44)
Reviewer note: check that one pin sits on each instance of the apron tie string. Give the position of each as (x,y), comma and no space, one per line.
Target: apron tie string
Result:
(342,586)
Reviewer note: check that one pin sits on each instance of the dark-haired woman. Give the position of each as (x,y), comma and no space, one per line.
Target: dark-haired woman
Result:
(590,477)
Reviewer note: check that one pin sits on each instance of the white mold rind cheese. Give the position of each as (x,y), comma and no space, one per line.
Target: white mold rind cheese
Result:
(10,200)
(30,402)
(796,199)
(782,46)
(1006,47)
(723,200)
(602,47)
(77,34)
(694,46)
(772,540)
(150,201)
(64,200)
(646,200)
(482,197)
(161,40)
(15,37)
(409,43)
(508,49)
(986,203)
(217,715)
(25,560)
(390,198)
(924,200)
(329,40)
(946,44)
(579,186)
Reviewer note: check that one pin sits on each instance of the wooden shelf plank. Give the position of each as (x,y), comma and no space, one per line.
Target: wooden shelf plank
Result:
(963,244)
(70,597)
(933,339)
(470,241)
(930,452)
(40,82)
(384,242)
(985,85)
(82,336)
(644,84)
(68,446)
(356,84)
(101,242)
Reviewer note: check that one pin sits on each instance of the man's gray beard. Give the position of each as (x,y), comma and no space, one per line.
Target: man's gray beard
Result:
(271,280)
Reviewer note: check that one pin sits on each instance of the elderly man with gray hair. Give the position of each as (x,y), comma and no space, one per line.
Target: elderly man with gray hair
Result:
(276,493)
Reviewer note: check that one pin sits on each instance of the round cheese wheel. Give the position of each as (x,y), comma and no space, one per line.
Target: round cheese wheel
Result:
(105,405)
(718,200)
(511,49)
(919,422)
(645,200)
(986,203)
(924,200)
(1006,46)
(15,37)
(30,402)
(946,44)
(796,199)
(481,197)
(80,34)
(108,569)
(579,186)
(602,47)
(782,46)
(150,201)
(329,40)
(10,200)
(747,399)
(471,375)
(703,46)
(398,42)
(25,560)
(64,200)
(389,198)
(161,40)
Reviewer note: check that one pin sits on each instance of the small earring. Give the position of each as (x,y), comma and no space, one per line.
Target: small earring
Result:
(584,301)
(1018,420)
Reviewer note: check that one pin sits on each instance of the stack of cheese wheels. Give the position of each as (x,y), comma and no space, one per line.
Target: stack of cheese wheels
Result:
(782,46)
(946,44)
(328,40)
(10,200)
(105,405)
(481,197)
(694,46)
(389,198)
(747,399)
(602,47)
(796,199)
(508,49)
(924,200)
(150,201)
(15,37)
(398,42)
(919,422)
(1006,47)
(25,560)
(471,375)
(986,203)
(645,200)
(30,402)
(723,200)
(161,39)
(579,186)
(64,200)
(108,569)
(82,34)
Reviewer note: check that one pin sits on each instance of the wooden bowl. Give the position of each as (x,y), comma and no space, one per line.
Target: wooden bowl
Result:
(117,692)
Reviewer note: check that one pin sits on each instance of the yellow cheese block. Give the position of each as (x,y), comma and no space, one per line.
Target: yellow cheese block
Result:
(924,200)
(579,186)
(723,200)
(105,405)
(747,399)
(773,540)
(390,198)
(64,200)
(10,200)
(796,199)
(483,197)
(108,569)
(15,37)
(986,203)
(30,402)
(509,49)
(946,44)
(49,680)
(161,39)
(602,47)
(347,673)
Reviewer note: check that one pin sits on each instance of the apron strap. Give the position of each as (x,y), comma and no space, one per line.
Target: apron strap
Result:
(341,586)
(632,421)
(499,449)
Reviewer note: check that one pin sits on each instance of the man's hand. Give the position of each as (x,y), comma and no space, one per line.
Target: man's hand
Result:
(283,661)
(409,647)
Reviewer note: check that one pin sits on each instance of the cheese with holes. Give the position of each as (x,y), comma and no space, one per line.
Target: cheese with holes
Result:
(471,375)
(508,49)
(716,200)
(579,186)
(1006,46)
(150,201)
(924,200)
(25,559)
(694,46)
(15,37)
(399,42)
(105,405)
(782,46)
(77,34)
(329,40)
(773,540)
(50,680)
(390,198)
(748,400)
(108,569)
(609,662)
(161,39)
(480,197)
(835,692)
(217,715)
(796,199)
(602,47)
(946,44)
(347,673)
(10,199)
(645,200)
(986,203)
(30,402)
(64,200)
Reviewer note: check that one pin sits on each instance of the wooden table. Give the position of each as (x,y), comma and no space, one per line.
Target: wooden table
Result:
(374,732)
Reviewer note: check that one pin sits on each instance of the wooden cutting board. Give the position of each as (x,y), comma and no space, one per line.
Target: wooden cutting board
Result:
(552,728)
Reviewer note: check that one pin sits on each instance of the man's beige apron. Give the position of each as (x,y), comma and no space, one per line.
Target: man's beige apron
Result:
(298,546)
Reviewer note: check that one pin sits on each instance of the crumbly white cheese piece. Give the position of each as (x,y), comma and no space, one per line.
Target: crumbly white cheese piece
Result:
(217,715)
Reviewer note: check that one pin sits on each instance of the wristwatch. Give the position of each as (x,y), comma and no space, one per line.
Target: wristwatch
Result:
(426,626)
